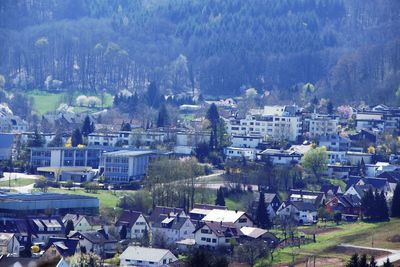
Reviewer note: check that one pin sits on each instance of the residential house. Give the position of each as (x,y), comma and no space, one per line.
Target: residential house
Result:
(18,227)
(254,233)
(199,211)
(355,158)
(337,157)
(146,257)
(9,245)
(216,234)
(187,141)
(313,197)
(285,157)
(300,211)
(240,152)
(272,202)
(99,242)
(320,124)
(135,223)
(12,124)
(246,141)
(236,218)
(81,224)
(61,247)
(331,190)
(348,205)
(103,139)
(364,135)
(42,228)
(170,229)
(334,142)
(165,211)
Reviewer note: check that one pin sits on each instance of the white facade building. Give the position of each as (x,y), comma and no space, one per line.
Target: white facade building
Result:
(146,257)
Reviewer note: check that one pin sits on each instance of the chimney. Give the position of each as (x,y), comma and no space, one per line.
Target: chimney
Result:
(220,223)
(236,211)
(77,215)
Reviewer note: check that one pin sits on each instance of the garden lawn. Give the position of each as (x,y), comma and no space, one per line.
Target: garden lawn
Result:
(44,102)
(17,182)
(358,234)
(107,198)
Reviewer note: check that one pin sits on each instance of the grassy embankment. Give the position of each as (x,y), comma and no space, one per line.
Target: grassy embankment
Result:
(359,233)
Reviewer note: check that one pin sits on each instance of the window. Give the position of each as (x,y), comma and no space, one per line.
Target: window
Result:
(203,239)
(208,240)
(214,240)
(204,231)
(243,220)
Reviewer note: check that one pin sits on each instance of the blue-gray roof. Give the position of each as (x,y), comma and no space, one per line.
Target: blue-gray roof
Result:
(40,196)
(6,140)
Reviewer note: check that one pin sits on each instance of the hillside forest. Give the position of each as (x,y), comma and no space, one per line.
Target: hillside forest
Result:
(349,50)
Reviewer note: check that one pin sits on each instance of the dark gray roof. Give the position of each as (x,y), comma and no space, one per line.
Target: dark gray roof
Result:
(128,218)
(221,229)
(158,211)
(95,237)
(65,246)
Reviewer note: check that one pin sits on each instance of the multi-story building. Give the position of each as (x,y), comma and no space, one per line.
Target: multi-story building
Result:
(67,156)
(103,139)
(124,166)
(273,122)
(319,125)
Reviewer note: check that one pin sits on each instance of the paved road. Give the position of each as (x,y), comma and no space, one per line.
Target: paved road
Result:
(17,175)
(393,257)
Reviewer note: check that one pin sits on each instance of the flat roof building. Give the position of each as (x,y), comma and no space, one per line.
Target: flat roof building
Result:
(124,166)
(17,204)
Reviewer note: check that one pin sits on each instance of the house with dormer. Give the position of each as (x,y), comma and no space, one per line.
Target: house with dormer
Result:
(98,242)
(215,234)
(135,222)
(42,228)
(172,228)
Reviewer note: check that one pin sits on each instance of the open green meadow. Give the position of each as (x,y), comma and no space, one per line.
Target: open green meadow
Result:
(44,101)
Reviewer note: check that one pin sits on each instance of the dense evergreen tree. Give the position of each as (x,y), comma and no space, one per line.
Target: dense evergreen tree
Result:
(153,96)
(262,216)
(37,141)
(372,262)
(76,138)
(220,200)
(374,205)
(396,202)
(353,262)
(87,127)
(69,227)
(383,207)
(387,263)
(123,232)
(126,127)
(163,117)
(57,141)
(213,115)
(363,261)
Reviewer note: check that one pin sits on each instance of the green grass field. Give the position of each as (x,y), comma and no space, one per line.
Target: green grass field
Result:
(44,102)
(107,198)
(359,233)
(17,182)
